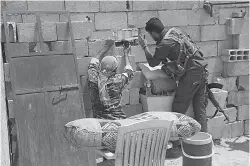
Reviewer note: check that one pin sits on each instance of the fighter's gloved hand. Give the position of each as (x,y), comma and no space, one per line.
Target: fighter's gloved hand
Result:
(142,42)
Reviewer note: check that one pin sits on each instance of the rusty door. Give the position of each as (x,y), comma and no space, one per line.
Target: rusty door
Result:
(46,96)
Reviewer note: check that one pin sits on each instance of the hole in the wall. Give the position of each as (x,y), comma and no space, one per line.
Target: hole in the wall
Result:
(239,57)
(239,52)
(245,57)
(232,58)
(246,53)
(232,52)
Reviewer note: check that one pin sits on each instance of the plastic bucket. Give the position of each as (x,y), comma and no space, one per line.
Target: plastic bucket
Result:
(197,150)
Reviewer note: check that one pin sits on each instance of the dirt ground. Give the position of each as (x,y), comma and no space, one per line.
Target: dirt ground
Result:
(229,152)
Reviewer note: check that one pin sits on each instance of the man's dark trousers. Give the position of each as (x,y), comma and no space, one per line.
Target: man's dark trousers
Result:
(192,87)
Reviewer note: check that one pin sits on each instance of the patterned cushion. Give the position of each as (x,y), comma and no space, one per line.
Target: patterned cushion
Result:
(102,134)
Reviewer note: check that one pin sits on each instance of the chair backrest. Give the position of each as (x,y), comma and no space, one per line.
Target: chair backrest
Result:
(143,143)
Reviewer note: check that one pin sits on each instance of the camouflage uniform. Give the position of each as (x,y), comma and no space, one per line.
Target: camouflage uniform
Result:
(106,92)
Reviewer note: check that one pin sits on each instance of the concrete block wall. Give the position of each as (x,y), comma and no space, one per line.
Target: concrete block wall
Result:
(210,33)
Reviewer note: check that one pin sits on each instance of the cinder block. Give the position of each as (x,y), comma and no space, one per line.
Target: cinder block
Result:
(174,17)
(243,82)
(231,113)
(241,41)
(6,72)
(14,18)
(237,26)
(225,13)
(16,6)
(200,17)
(134,96)
(96,46)
(77,17)
(131,110)
(214,64)
(18,49)
(225,44)
(101,35)
(182,4)
(84,83)
(208,48)
(81,47)
(125,97)
(213,32)
(110,20)
(156,103)
(43,17)
(82,6)
(147,5)
(138,80)
(229,83)
(139,19)
(192,31)
(216,132)
(45,5)
(238,98)
(81,30)
(234,129)
(220,96)
(83,65)
(216,121)
(11,109)
(231,69)
(246,127)
(243,112)
(87,101)
(236,52)
(12,32)
(28,33)
(114,6)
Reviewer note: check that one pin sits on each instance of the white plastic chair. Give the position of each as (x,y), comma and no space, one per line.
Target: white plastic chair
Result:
(140,144)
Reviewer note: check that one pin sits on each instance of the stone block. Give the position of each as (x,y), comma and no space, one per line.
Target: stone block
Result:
(238,98)
(18,49)
(11,109)
(214,64)
(237,26)
(82,6)
(229,83)
(16,6)
(139,19)
(83,65)
(156,103)
(231,69)
(200,17)
(225,13)
(101,35)
(84,83)
(241,41)
(243,112)
(147,5)
(131,110)
(87,101)
(243,83)
(81,30)
(117,20)
(12,32)
(179,4)
(77,17)
(28,33)
(233,130)
(134,96)
(216,122)
(114,6)
(45,5)
(125,97)
(216,132)
(174,17)
(220,96)
(192,31)
(97,45)
(81,47)
(208,48)
(213,32)
(231,113)
(31,18)
(246,127)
